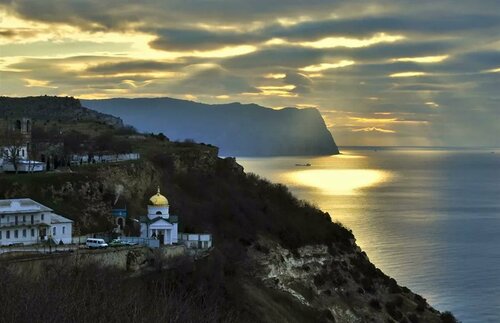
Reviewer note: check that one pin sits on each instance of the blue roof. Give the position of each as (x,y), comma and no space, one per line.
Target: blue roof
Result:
(119,212)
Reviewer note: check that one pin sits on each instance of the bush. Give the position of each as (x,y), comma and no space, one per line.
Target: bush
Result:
(390,307)
(375,304)
(413,318)
(447,317)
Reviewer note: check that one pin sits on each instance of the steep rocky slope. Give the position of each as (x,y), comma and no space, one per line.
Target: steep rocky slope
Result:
(237,129)
(276,259)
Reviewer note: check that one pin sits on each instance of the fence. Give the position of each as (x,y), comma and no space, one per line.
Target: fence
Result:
(36,246)
(110,158)
(196,240)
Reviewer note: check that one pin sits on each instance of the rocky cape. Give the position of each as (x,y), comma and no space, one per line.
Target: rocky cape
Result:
(237,129)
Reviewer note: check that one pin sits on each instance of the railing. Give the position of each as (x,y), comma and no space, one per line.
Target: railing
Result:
(21,223)
(34,247)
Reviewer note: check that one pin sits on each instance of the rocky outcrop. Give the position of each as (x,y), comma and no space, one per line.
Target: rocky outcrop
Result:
(331,282)
(237,129)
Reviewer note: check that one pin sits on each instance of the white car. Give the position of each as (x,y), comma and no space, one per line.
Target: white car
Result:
(94,243)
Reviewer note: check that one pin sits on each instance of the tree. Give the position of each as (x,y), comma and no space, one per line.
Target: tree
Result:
(13,143)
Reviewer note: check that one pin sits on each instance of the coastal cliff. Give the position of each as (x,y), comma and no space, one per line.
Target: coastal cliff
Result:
(276,258)
(237,129)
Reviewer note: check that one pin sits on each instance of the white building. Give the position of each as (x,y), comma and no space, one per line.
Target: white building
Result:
(159,224)
(28,222)
(196,240)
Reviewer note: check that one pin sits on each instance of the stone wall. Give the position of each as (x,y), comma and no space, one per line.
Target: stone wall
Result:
(131,259)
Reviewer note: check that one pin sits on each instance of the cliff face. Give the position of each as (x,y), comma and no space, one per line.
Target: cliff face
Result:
(237,129)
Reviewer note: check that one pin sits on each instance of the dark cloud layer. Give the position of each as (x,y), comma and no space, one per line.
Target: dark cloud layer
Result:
(403,72)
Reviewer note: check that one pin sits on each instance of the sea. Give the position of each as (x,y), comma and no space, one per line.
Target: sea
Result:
(428,217)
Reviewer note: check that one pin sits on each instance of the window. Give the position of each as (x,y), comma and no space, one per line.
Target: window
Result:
(16,234)
(54,231)
(158,213)
(24,233)
(64,229)
(24,218)
(43,215)
(7,234)
(32,219)
(0,235)
(32,232)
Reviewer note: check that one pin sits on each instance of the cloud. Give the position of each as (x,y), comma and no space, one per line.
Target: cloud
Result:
(133,66)
(411,56)
(374,129)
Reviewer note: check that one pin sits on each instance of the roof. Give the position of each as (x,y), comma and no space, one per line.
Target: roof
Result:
(56,218)
(171,219)
(158,199)
(22,205)
(119,212)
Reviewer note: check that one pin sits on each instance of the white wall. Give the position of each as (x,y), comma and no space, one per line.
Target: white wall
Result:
(23,235)
(152,209)
(63,232)
(8,223)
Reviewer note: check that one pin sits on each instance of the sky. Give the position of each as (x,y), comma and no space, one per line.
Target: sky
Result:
(415,73)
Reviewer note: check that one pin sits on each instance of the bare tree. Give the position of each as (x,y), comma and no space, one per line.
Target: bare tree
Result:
(12,143)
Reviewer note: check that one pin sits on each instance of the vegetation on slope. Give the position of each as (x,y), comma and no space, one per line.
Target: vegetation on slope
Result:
(242,211)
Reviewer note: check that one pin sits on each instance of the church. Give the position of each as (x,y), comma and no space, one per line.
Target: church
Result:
(159,224)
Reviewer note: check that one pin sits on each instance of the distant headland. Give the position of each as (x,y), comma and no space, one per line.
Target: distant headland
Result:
(237,129)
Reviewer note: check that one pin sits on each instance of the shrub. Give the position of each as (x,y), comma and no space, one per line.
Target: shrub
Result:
(374,303)
(447,317)
(413,318)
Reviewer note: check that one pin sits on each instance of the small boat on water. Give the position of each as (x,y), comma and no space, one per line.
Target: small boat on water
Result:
(303,165)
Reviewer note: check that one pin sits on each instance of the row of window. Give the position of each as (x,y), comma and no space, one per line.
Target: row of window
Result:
(19,218)
(15,233)
(24,232)
(19,152)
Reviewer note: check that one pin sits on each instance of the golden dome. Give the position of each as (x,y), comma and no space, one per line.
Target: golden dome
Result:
(158,199)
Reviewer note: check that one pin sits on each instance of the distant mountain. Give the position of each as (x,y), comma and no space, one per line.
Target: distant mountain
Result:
(237,129)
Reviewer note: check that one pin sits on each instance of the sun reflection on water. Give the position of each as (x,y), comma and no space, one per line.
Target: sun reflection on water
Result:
(337,181)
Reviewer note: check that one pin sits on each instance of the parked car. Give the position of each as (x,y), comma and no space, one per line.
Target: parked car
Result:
(117,243)
(93,243)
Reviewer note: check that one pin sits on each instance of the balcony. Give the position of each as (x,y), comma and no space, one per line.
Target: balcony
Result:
(11,224)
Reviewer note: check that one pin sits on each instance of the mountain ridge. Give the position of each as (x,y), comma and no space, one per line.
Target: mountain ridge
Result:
(237,128)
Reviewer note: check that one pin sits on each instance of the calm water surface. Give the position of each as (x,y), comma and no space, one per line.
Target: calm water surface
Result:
(430,218)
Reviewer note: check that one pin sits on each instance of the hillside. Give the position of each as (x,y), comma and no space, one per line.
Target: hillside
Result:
(237,129)
(276,259)
(50,108)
